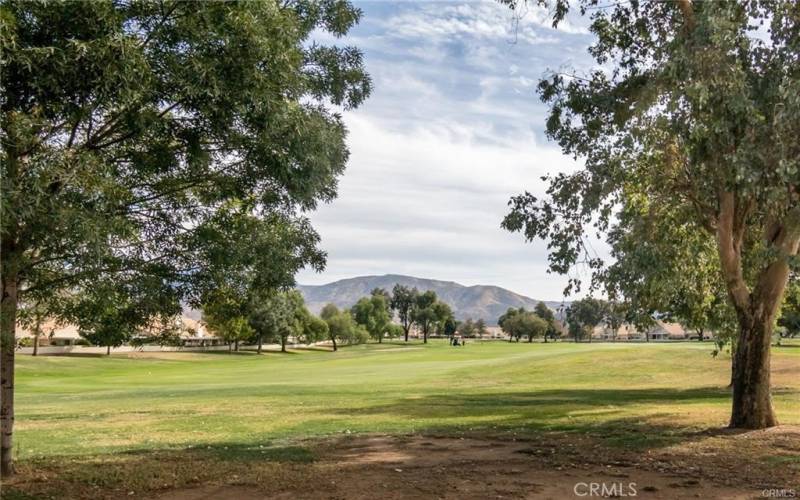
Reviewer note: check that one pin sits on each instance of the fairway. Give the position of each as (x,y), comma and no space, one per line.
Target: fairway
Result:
(234,407)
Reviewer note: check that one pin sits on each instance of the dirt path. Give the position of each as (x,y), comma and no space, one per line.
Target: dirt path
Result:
(417,467)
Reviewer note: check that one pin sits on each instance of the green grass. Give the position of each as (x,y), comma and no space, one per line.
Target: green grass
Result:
(241,407)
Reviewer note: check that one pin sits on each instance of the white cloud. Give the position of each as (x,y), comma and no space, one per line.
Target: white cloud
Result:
(452,130)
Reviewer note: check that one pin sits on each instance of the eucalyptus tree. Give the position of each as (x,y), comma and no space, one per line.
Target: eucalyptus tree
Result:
(546,314)
(692,105)
(403,300)
(425,313)
(127,125)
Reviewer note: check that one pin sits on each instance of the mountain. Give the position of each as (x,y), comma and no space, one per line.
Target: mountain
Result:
(479,301)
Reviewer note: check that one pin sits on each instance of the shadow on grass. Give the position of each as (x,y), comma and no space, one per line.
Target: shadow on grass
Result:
(599,413)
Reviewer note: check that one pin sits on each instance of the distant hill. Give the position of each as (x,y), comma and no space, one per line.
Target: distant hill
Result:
(479,301)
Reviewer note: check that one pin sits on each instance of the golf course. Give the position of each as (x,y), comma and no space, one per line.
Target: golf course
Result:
(153,422)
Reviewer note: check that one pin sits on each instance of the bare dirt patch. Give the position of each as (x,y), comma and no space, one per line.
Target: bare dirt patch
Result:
(716,464)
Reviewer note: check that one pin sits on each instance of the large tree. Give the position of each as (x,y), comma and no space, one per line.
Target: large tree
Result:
(374,314)
(342,328)
(584,315)
(547,314)
(403,300)
(691,106)
(127,125)
(425,313)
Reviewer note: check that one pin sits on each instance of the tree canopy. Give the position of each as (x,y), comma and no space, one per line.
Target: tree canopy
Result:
(147,139)
(691,109)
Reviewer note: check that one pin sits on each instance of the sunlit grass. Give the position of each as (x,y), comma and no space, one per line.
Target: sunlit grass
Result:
(95,406)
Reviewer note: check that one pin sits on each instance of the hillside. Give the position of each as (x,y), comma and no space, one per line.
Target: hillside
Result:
(479,301)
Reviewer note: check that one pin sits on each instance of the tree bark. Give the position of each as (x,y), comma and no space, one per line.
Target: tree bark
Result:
(756,310)
(752,401)
(108,350)
(236,345)
(333,339)
(283,344)
(8,323)
(259,344)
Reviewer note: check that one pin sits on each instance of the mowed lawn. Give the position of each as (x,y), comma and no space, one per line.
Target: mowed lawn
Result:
(94,406)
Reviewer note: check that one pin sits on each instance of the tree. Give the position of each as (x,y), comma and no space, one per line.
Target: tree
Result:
(112,313)
(467,328)
(267,314)
(583,315)
(480,327)
(790,311)
(33,317)
(547,315)
(374,314)
(299,320)
(444,317)
(504,321)
(690,109)
(403,300)
(126,125)
(674,276)
(342,327)
(312,328)
(521,323)
(425,313)
(393,330)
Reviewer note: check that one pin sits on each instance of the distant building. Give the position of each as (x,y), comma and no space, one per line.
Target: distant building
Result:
(660,331)
(191,332)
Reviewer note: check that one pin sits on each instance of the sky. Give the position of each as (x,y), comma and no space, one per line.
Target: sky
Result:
(452,130)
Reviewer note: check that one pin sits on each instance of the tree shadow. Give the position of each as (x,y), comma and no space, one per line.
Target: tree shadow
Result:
(600,413)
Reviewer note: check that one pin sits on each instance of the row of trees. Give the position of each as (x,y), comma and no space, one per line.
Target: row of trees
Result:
(423,310)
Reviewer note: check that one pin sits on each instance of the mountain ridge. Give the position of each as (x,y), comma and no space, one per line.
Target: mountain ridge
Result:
(468,301)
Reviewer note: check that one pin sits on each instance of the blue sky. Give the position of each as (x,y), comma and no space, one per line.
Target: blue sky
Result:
(452,130)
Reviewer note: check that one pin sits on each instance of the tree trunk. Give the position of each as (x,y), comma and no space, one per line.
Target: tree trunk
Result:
(424,336)
(108,350)
(700,334)
(406,329)
(36,344)
(8,324)
(283,344)
(380,339)
(756,310)
(259,344)
(333,339)
(752,402)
